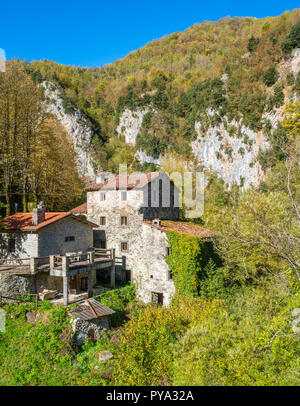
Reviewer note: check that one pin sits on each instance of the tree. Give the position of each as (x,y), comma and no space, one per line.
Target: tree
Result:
(21,113)
(54,178)
(292,40)
(37,161)
(270,76)
(252,44)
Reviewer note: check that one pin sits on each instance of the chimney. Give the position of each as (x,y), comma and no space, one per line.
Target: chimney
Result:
(156,222)
(38,214)
(101,177)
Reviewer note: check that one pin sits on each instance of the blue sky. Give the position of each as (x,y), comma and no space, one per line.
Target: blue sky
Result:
(93,33)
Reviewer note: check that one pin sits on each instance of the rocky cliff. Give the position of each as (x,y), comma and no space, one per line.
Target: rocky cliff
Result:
(230,148)
(212,94)
(77,128)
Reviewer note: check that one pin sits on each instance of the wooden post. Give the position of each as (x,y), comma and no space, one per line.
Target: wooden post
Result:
(33,265)
(113,270)
(65,269)
(90,283)
(91,257)
(66,290)
(52,261)
(65,262)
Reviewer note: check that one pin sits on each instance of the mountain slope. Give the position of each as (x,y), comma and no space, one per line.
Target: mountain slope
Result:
(213,92)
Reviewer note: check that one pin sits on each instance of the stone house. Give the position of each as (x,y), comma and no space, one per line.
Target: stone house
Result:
(129,211)
(41,234)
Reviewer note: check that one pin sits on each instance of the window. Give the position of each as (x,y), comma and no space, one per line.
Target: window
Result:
(70,238)
(11,245)
(157,298)
(123,196)
(102,221)
(124,246)
(102,197)
(123,220)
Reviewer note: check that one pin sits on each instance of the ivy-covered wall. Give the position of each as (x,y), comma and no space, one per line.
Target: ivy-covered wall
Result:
(188,258)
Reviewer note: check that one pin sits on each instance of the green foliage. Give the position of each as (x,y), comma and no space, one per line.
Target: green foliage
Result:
(38,353)
(217,282)
(278,97)
(252,44)
(145,353)
(290,78)
(270,76)
(121,300)
(292,40)
(251,344)
(147,120)
(187,260)
(180,77)
(278,151)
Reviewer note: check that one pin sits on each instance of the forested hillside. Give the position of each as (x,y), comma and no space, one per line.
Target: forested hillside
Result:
(223,82)
(213,95)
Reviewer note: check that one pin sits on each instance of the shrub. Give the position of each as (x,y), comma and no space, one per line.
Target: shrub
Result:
(252,44)
(145,353)
(252,344)
(290,79)
(270,76)
(292,40)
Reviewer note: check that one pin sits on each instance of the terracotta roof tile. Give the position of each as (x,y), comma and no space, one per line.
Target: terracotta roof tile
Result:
(23,221)
(82,209)
(133,180)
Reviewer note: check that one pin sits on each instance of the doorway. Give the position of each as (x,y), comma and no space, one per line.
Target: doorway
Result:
(73,284)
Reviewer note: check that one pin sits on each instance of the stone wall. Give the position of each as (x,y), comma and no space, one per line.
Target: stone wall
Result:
(37,283)
(83,329)
(17,284)
(150,271)
(157,199)
(52,238)
(146,245)
(26,245)
(146,249)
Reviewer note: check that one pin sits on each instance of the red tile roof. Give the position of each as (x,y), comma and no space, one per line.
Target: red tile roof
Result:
(182,227)
(82,209)
(133,180)
(23,221)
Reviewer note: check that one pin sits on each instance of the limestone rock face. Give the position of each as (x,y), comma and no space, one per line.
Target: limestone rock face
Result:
(234,158)
(130,124)
(77,128)
(142,157)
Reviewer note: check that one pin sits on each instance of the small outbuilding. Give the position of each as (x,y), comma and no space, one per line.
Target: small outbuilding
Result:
(89,320)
